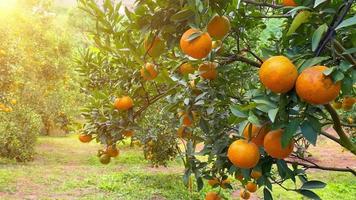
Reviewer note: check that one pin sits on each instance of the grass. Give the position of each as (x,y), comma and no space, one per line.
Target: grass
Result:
(67,169)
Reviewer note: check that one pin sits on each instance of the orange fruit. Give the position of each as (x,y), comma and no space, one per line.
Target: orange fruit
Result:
(208,70)
(257,133)
(256,174)
(251,187)
(278,74)
(273,146)
(154,46)
(197,48)
(212,196)
(347,103)
(289,3)
(187,121)
(85,138)
(244,194)
(213,182)
(105,159)
(224,183)
(123,103)
(243,154)
(186,68)
(315,88)
(148,72)
(219,26)
(112,151)
(128,133)
(337,105)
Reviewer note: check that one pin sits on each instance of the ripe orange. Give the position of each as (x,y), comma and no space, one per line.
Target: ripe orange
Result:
(105,159)
(273,146)
(154,46)
(186,68)
(197,48)
(187,121)
(337,105)
(243,154)
(212,196)
(244,194)
(85,138)
(208,70)
(251,187)
(347,103)
(213,182)
(316,88)
(128,133)
(289,3)
(278,74)
(257,133)
(219,26)
(148,72)
(123,103)
(256,174)
(112,151)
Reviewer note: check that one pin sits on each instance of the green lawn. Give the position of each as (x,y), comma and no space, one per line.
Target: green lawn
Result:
(67,169)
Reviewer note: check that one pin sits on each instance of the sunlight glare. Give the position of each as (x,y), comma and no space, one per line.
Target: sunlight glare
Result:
(6,5)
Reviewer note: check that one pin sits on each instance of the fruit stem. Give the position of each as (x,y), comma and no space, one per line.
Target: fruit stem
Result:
(344,139)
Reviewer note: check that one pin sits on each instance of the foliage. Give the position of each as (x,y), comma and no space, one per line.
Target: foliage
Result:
(19,130)
(36,64)
(111,68)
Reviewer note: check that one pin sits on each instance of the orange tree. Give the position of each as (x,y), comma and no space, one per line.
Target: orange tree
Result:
(247,82)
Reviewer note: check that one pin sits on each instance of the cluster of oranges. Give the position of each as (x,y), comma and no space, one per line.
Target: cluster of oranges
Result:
(245,192)
(123,104)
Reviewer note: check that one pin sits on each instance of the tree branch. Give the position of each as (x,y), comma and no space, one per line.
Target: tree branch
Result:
(331,137)
(312,165)
(344,139)
(234,58)
(340,49)
(344,9)
(262,4)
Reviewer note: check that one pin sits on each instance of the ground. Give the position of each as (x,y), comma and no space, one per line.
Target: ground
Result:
(66,169)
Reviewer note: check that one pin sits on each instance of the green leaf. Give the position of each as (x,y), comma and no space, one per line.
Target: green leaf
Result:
(318,2)
(236,110)
(204,125)
(194,36)
(309,194)
(272,114)
(182,15)
(253,118)
(267,194)
(308,132)
(200,183)
(300,19)
(328,71)
(312,61)
(346,86)
(319,32)
(289,132)
(347,22)
(350,51)
(313,185)
(338,76)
